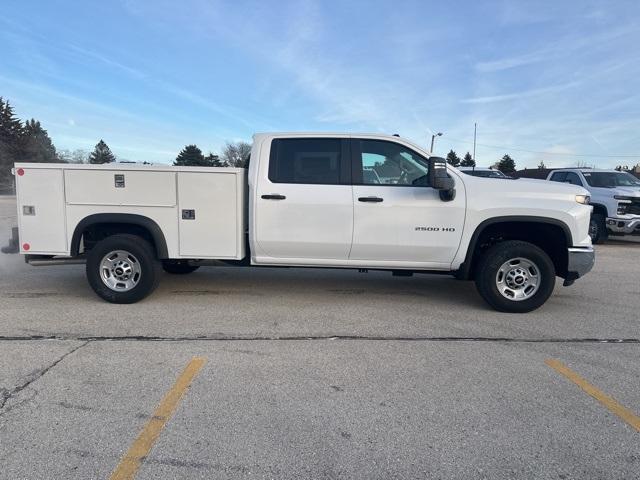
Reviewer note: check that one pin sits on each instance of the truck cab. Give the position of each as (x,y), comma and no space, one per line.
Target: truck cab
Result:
(330,200)
(615,197)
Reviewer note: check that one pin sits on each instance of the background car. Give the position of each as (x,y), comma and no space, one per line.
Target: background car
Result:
(486,172)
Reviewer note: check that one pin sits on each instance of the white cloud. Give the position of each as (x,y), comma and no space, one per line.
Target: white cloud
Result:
(520,95)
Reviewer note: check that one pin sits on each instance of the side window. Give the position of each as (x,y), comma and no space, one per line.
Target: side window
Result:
(388,163)
(306,160)
(559,176)
(573,178)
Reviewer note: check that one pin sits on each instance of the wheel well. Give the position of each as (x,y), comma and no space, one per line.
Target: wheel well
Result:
(97,227)
(601,209)
(552,238)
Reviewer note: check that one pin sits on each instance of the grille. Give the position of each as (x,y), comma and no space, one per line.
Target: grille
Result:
(633,208)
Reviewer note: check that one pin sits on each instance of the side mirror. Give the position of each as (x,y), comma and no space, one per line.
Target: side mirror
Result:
(440,180)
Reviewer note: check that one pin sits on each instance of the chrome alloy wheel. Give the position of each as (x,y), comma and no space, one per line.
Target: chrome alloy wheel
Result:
(120,271)
(518,279)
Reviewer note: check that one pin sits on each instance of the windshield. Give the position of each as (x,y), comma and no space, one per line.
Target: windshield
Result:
(611,179)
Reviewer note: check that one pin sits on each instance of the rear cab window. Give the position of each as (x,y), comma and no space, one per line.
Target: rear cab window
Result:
(320,161)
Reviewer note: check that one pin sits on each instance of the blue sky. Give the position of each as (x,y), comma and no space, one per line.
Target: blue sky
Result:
(558,77)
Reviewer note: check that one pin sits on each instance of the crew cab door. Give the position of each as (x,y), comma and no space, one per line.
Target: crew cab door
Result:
(395,219)
(304,203)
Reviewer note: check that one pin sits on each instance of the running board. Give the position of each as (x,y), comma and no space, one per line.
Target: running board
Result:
(38,261)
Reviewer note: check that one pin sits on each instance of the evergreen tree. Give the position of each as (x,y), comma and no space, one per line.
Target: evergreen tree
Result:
(190,156)
(36,144)
(10,139)
(213,160)
(541,165)
(507,165)
(467,161)
(453,159)
(101,154)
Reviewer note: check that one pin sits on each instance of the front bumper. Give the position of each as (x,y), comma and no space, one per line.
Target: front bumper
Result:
(580,262)
(626,227)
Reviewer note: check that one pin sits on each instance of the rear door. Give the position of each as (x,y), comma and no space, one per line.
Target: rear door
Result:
(396,217)
(304,206)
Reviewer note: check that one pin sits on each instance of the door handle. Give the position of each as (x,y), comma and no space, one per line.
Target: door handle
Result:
(273,196)
(370,199)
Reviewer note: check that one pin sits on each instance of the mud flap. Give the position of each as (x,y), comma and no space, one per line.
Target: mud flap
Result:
(14,242)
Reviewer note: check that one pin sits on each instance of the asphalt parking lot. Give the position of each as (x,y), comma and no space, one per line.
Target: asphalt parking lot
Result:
(290,373)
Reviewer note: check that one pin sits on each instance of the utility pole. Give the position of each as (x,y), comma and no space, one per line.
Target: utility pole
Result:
(475,129)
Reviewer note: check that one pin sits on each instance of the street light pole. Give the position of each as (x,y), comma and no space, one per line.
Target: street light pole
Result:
(433,139)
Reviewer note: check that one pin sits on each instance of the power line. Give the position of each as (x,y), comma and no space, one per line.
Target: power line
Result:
(502,147)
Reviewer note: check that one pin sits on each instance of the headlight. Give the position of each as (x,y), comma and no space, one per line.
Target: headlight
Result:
(584,199)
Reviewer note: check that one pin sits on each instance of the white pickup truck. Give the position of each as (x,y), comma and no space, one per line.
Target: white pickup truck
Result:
(615,198)
(307,200)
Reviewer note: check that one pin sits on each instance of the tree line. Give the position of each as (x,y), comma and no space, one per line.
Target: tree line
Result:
(506,164)
(28,141)
(234,154)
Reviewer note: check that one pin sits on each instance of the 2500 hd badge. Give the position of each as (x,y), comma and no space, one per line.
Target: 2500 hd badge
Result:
(435,229)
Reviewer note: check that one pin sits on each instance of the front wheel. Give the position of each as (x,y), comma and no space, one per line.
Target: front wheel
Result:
(515,276)
(122,268)
(597,228)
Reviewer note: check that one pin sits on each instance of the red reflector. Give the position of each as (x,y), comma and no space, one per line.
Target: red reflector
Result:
(20,171)
(26,246)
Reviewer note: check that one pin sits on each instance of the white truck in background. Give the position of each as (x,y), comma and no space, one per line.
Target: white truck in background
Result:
(307,200)
(615,198)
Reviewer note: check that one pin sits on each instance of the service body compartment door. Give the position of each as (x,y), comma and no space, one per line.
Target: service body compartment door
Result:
(210,215)
(41,215)
(130,188)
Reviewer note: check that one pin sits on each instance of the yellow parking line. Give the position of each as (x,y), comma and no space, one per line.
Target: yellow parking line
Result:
(130,463)
(613,406)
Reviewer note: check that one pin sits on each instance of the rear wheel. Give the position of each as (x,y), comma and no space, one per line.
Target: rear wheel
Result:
(122,268)
(597,228)
(515,276)
(178,267)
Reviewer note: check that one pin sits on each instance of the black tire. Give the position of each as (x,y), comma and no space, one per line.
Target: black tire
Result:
(178,267)
(490,265)
(598,229)
(145,262)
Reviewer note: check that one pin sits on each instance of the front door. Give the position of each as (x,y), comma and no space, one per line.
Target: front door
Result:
(396,219)
(304,208)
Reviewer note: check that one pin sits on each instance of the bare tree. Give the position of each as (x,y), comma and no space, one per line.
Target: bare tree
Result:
(236,154)
(583,164)
(75,156)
